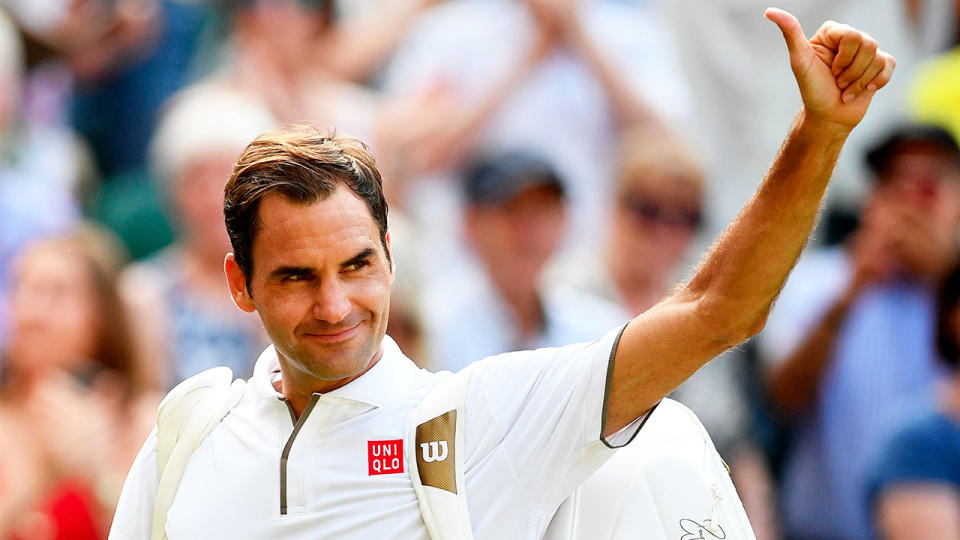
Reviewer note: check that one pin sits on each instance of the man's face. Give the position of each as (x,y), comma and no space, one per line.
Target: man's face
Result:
(653,223)
(515,239)
(321,285)
(923,178)
(198,196)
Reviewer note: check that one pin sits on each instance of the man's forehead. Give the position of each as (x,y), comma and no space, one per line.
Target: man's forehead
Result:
(340,207)
(338,223)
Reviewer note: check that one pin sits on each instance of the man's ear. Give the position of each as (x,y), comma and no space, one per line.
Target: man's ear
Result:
(393,262)
(237,282)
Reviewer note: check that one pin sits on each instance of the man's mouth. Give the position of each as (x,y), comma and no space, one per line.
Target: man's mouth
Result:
(333,335)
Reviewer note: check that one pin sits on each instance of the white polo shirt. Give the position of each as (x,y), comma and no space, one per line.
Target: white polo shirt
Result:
(532,435)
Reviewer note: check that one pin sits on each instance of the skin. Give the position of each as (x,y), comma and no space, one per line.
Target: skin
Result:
(53,320)
(642,252)
(515,240)
(63,428)
(928,511)
(328,322)
(728,299)
(198,197)
(908,228)
(321,285)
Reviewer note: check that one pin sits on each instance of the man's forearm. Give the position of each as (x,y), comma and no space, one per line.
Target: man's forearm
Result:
(730,295)
(746,268)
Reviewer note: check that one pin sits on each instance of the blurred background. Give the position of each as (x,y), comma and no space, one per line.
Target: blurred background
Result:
(553,168)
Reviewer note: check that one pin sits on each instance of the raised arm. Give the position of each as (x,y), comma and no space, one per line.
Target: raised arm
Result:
(727,300)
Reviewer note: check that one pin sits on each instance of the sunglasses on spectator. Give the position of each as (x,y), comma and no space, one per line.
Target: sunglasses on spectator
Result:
(653,211)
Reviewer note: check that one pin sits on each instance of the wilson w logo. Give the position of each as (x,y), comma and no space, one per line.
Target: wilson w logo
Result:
(434,451)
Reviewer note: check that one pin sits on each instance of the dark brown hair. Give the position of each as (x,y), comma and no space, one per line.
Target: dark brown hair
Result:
(305,167)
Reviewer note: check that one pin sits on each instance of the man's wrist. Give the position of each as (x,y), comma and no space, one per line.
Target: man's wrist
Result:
(819,126)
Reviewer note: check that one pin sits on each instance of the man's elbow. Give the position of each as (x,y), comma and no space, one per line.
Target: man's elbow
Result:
(728,322)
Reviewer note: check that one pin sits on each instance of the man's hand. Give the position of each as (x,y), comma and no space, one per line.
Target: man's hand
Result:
(838,70)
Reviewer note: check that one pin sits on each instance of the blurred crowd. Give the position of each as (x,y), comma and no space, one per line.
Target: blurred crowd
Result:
(553,168)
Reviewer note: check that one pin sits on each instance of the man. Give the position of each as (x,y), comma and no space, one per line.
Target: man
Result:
(311,256)
(853,334)
(514,221)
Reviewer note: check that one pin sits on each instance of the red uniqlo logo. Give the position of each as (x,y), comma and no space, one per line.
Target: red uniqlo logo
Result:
(385,457)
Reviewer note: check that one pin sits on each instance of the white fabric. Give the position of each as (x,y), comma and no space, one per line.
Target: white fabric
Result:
(534,421)
(185,417)
(560,111)
(466,320)
(669,483)
(445,513)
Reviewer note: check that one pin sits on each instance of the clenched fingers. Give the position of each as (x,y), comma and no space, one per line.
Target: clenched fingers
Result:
(861,61)
(882,78)
(842,38)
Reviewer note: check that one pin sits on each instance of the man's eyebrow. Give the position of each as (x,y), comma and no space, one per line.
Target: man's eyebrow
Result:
(284,271)
(360,257)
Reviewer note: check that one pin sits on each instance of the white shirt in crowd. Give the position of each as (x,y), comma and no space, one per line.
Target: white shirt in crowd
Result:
(465,319)
(533,423)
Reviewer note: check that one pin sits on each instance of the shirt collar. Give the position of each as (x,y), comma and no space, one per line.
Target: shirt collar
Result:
(390,378)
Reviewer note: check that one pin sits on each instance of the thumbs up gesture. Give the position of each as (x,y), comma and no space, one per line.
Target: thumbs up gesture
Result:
(838,70)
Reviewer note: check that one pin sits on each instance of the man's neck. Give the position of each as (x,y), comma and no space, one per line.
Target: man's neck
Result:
(298,387)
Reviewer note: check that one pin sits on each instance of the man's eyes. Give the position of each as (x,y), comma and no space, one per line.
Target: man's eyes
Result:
(295,277)
(354,266)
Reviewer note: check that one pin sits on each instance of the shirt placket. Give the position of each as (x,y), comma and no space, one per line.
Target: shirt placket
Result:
(294,466)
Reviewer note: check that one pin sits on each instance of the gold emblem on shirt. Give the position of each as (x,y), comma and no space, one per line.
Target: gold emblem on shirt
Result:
(436,452)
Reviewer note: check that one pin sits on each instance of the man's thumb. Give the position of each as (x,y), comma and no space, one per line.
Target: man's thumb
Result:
(790,27)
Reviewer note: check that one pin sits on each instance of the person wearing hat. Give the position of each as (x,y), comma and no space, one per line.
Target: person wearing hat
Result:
(853,330)
(324,440)
(514,220)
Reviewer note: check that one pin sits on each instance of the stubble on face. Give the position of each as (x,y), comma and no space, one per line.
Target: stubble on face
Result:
(321,285)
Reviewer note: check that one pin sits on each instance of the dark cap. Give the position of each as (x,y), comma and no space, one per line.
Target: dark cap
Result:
(879,156)
(497,178)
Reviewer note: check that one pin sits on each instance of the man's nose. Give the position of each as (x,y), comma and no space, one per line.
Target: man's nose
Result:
(332,303)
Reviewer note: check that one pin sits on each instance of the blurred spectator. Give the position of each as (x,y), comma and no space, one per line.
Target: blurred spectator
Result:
(656,214)
(741,113)
(914,489)
(185,321)
(306,62)
(559,78)
(71,423)
(514,221)
(40,165)
(405,321)
(106,66)
(852,334)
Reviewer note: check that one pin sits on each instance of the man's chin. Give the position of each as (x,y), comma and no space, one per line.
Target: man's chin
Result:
(338,362)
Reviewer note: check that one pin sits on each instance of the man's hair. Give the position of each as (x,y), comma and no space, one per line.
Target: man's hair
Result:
(305,167)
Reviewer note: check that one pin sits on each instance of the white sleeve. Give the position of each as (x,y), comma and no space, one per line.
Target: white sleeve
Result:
(544,411)
(133,518)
